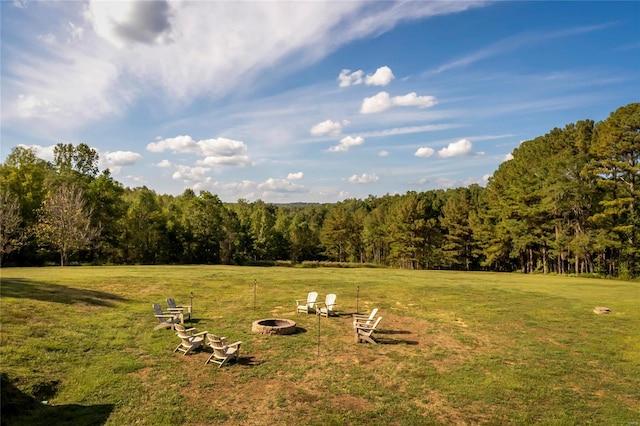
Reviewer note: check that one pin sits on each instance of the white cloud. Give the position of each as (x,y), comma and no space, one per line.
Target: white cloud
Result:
(382,102)
(182,143)
(346,143)
(42,92)
(348,78)
(295,176)
(328,127)
(43,152)
(47,38)
(411,99)
(219,151)
(123,23)
(383,153)
(381,77)
(20,4)
(377,103)
(121,158)
(248,189)
(456,149)
(424,152)
(229,160)
(181,52)
(221,147)
(279,185)
(32,106)
(76,32)
(363,178)
(190,173)
(164,164)
(508,157)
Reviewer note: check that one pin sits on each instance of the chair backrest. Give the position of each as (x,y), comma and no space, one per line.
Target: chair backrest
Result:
(312,297)
(330,300)
(171,302)
(180,328)
(372,315)
(186,339)
(375,324)
(217,345)
(157,309)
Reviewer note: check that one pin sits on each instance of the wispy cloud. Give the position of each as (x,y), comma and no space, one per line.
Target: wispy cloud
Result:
(174,49)
(409,129)
(518,41)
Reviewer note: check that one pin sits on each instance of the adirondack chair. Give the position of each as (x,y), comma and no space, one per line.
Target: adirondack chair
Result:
(179,328)
(327,308)
(222,353)
(190,342)
(307,305)
(364,332)
(185,310)
(167,319)
(364,319)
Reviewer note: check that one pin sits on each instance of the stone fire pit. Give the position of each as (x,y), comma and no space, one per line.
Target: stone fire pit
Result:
(273,326)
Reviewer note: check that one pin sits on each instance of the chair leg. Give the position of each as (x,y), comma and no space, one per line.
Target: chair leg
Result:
(370,339)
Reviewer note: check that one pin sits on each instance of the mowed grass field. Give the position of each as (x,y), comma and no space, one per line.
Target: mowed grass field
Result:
(454,348)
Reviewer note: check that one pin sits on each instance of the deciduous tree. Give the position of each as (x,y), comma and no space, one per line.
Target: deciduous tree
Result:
(64,222)
(10,220)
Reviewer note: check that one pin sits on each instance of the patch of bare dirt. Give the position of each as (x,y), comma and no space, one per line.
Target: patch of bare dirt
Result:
(243,398)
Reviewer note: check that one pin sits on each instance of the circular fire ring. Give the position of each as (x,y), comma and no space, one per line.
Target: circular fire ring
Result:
(273,326)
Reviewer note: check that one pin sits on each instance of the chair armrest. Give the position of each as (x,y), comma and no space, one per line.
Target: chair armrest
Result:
(164,316)
(235,344)
(362,326)
(304,301)
(202,333)
(363,320)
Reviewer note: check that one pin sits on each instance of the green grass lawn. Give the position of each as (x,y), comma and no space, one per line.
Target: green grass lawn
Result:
(455,348)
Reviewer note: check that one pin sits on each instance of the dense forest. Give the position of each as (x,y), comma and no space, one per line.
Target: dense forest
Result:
(567,202)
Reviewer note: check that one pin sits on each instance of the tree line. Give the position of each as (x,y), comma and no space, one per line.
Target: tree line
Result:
(567,202)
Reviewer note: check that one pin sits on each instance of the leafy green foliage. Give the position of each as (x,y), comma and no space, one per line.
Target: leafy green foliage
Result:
(567,202)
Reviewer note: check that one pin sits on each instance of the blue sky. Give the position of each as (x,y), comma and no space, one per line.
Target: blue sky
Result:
(309,101)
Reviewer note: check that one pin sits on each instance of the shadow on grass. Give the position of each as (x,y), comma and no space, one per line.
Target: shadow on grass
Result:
(249,360)
(389,341)
(18,408)
(383,331)
(27,289)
